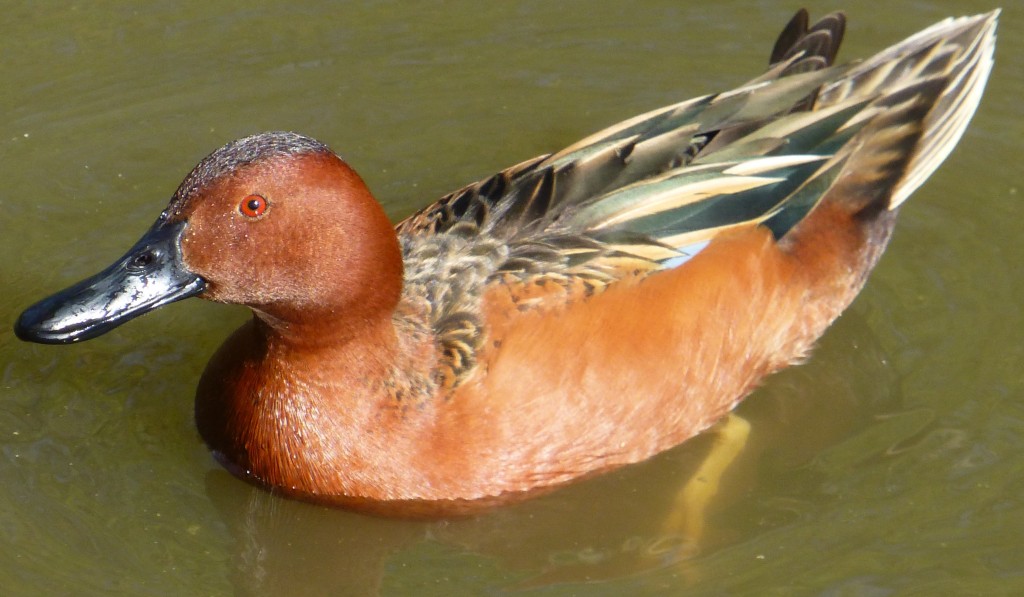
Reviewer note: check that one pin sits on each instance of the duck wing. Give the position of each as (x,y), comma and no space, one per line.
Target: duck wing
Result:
(544,193)
(650,192)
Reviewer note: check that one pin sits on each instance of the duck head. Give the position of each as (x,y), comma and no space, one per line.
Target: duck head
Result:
(275,221)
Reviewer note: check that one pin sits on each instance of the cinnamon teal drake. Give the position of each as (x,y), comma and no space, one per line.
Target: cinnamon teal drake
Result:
(577,312)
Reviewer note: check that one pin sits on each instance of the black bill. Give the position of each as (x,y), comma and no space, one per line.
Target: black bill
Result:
(150,275)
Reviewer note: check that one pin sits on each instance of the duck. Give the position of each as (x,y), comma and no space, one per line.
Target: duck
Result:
(578,312)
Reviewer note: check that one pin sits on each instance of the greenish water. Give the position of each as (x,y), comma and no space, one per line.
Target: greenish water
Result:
(890,464)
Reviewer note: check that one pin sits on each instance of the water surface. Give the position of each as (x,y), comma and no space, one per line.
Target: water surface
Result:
(891,463)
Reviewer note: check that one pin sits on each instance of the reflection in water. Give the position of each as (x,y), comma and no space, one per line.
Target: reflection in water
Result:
(603,529)
(284,547)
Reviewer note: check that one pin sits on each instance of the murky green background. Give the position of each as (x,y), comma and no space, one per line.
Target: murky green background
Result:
(891,464)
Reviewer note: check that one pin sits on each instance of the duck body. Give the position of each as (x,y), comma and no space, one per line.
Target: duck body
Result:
(575,313)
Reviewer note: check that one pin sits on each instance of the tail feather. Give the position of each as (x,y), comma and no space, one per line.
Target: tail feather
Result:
(820,41)
(959,52)
(948,119)
(878,159)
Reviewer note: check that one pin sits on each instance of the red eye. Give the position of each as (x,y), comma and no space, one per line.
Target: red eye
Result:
(253,206)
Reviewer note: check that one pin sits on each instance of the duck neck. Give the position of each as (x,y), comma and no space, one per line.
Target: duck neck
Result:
(329,331)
